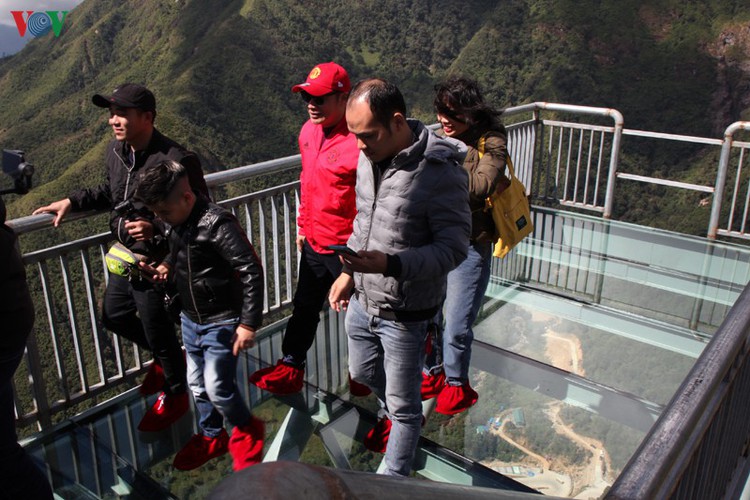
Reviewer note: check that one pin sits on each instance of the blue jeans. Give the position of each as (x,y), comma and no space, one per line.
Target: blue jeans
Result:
(387,356)
(464,295)
(212,371)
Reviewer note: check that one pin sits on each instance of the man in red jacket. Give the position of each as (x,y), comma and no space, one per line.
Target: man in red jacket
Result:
(327,209)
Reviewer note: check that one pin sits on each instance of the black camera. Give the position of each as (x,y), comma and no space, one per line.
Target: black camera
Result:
(16,167)
(126,210)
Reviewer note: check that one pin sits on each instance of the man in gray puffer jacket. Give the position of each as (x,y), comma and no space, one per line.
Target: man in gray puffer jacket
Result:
(412,228)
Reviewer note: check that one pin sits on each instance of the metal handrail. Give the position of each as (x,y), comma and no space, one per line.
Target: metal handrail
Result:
(526,140)
(617,131)
(710,393)
(72,312)
(30,223)
(35,222)
(721,176)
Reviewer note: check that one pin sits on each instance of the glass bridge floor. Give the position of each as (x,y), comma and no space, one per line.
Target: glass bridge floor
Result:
(586,332)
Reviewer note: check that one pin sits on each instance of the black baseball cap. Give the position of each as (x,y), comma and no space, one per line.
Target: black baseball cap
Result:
(127,95)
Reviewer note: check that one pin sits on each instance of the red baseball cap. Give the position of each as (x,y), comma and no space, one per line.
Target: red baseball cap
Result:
(324,79)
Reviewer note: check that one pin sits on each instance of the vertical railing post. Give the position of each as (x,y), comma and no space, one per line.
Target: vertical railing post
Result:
(613,162)
(536,176)
(38,384)
(721,176)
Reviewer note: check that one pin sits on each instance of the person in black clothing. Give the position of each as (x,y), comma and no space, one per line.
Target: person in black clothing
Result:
(132,307)
(19,477)
(220,281)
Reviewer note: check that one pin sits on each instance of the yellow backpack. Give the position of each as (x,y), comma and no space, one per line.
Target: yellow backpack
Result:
(510,210)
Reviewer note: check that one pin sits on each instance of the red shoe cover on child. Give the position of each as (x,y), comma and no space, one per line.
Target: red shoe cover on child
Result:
(199,450)
(246,444)
(167,409)
(154,380)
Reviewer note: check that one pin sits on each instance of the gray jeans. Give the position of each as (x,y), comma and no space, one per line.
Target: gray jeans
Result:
(387,356)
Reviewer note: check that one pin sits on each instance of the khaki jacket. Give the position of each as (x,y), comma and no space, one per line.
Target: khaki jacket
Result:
(485,175)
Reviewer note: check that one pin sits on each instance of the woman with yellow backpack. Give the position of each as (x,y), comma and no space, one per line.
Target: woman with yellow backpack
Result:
(465,116)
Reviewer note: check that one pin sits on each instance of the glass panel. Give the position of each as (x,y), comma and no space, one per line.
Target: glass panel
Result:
(589,341)
(82,467)
(622,305)
(587,330)
(546,444)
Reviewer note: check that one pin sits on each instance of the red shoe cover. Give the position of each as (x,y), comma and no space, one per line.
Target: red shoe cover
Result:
(432,385)
(199,450)
(154,380)
(246,444)
(377,438)
(166,410)
(455,399)
(279,379)
(357,389)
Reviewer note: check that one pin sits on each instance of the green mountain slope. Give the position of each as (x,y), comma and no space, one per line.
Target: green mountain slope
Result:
(222,70)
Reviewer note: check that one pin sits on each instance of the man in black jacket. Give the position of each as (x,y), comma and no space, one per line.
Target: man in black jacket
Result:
(220,281)
(132,307)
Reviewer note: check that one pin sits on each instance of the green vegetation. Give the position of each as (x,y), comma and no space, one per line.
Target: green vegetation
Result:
(222,73)
(620,441)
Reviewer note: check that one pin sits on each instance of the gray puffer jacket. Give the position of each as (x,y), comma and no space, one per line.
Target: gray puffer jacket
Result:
(421,214)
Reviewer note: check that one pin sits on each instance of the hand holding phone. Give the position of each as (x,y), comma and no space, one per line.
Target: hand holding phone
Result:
(342,250)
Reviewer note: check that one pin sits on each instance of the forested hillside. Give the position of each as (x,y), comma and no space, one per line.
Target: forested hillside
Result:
(222,70)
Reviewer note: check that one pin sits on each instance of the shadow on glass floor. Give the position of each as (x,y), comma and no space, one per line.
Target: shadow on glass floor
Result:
(101,454)
(81,466)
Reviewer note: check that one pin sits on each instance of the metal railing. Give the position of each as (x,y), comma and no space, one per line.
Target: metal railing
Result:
(739,194)
(570,163)
(71,359)
(573,164)
(576,164)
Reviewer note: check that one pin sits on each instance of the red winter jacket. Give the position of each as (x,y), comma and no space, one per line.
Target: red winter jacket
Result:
(329,171)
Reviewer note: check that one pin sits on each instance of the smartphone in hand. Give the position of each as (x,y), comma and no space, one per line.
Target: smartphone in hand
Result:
(342,250)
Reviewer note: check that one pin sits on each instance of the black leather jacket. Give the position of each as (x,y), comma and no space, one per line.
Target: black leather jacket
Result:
(215,267)
(122,179)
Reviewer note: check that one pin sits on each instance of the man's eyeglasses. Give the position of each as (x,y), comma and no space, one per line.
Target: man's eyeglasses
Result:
(316,100)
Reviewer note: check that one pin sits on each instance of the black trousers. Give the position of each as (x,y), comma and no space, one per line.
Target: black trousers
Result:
(135,311)
(317,272)
(19,475)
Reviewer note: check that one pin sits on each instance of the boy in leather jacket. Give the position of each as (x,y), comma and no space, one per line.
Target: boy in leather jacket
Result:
(220,281)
